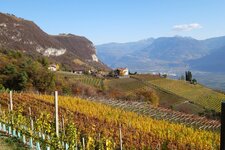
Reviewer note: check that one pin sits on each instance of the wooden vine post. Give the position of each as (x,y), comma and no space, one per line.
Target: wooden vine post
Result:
(10,109)
(121,140)
(222,136)
(56,115)
(32,128)
(63,124)
(10,100)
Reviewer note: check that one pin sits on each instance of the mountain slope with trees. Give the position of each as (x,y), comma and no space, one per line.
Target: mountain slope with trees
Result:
(20,72)
(67,49)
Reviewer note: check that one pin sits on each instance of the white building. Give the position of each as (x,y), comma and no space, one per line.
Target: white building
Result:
(53,67)
(123,71)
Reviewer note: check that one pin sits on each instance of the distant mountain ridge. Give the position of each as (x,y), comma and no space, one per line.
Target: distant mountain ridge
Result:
(168,54)
(111,53)
(175,48)
(67,49)
(213,62)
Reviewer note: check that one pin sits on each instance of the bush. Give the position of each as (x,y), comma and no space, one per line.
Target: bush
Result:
(164,75)
(2,88)
(85,90)
(194,81)
(115,94)
(66,90)
(149,95)
(44,81)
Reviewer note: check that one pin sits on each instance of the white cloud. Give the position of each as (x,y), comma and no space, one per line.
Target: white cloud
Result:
(187,27)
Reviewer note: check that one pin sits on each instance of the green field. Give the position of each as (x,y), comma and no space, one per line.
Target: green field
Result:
(196,93)
(126,85)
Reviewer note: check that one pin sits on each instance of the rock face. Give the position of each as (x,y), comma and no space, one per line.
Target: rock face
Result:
(19,34)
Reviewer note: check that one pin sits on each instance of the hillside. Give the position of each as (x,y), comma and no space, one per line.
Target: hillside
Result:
(213,62)
(67,49)
(197,94)
(173,94)
(19,71)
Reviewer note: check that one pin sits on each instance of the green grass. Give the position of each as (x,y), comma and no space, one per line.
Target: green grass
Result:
(126,85)
(188,107)
(147,77)
(198,94)
(11,143)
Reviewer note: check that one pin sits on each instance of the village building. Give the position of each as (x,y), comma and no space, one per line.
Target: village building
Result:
(122,72)
(53,67)
(79,72)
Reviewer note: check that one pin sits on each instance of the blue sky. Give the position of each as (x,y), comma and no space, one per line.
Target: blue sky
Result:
(104,21)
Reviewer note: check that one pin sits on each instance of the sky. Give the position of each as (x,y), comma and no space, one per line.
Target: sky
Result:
(104,21)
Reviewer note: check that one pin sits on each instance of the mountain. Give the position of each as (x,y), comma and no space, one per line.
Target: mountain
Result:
(213,62)
(164,54)
(110,53)
(175,48)
(214,43)
(72,51)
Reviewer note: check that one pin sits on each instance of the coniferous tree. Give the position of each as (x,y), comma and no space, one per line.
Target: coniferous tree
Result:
(188,76)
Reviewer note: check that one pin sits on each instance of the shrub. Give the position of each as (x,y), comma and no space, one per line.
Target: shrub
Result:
(85,90)
(194,81)
(2,88)
(149,95)
(115,94)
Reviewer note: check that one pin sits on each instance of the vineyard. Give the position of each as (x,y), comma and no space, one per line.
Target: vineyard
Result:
(160,113)
(195,93)
(174,94)
(169,99)
(85,79)
(126,85)
(90,124)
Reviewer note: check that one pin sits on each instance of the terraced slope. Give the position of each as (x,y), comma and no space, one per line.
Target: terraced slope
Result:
(86,79)
(160,113)
(126,85)
(195,93)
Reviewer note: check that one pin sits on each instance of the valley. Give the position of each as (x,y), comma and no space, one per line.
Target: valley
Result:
(63,92)
(171,55)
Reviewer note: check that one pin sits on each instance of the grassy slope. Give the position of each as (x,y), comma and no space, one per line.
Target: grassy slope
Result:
(196,93)
(86,79)
(169,99)
(126,85)
(173,94)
